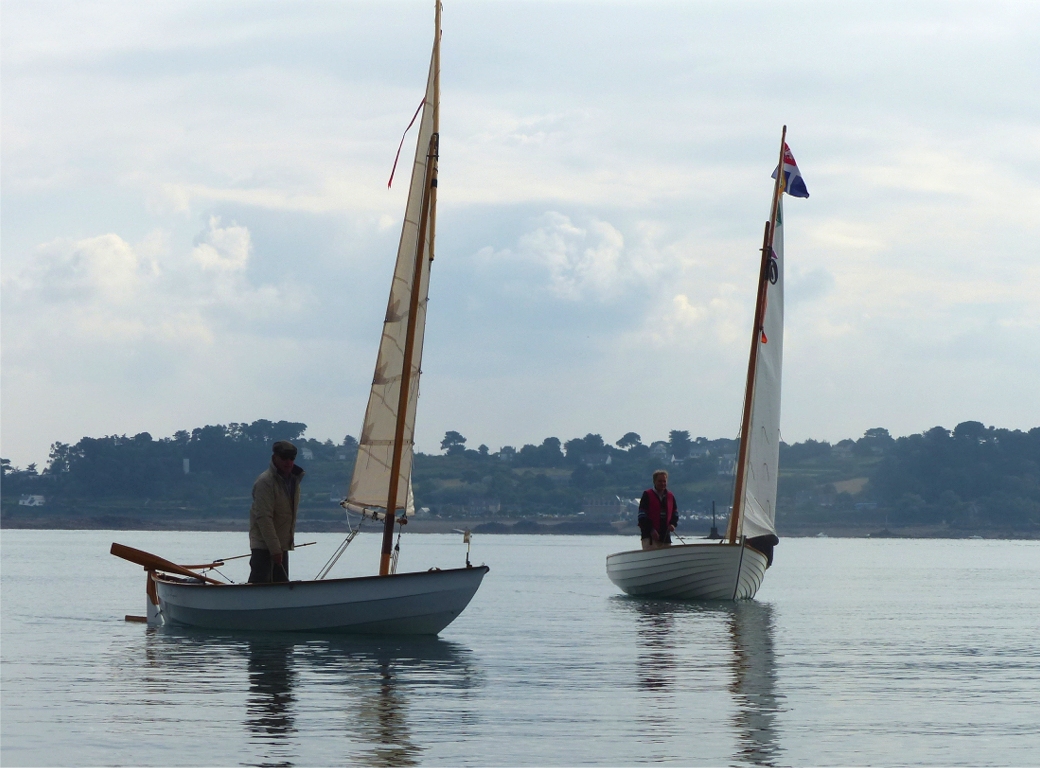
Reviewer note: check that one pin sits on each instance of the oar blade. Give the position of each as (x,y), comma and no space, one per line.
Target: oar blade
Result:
(154,562)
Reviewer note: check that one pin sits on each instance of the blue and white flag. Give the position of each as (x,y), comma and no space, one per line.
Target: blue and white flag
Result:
(794,185)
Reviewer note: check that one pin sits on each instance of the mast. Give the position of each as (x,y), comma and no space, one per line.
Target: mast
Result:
(426,219)
(756,333)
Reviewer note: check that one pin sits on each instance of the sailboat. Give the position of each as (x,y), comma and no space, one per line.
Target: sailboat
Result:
(733,568)
(421,603)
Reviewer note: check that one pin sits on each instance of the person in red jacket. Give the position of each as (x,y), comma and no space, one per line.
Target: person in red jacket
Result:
(658,513)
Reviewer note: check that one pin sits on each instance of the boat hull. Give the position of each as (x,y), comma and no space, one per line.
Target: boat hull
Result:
(708,571)
(420,603)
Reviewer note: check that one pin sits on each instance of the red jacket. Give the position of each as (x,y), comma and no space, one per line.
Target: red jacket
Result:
(655,516)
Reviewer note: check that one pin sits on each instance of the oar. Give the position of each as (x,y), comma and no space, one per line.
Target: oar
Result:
(156,563)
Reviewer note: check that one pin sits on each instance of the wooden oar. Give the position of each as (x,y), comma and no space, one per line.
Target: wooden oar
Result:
(156,563)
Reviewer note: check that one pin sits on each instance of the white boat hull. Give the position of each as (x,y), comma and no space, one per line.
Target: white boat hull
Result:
(708,571)
(421,603)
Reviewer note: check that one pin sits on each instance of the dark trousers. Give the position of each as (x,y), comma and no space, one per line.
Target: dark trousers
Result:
(263,571)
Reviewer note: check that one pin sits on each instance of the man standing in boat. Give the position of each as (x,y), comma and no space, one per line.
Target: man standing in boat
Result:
(272,519)
(658,513)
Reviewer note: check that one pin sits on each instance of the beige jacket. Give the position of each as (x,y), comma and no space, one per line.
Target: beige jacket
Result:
(272,519)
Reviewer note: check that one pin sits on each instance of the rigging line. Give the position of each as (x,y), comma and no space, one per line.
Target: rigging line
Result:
(342,548)
(397,552)
(398,155)
(222,575)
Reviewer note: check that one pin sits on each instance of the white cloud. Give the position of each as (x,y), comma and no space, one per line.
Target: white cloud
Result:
(580,260)
(224,249)
(105,290)
(99,270)
(586,259)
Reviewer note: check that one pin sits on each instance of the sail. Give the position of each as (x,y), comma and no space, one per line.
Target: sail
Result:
(369,486)
(763,454)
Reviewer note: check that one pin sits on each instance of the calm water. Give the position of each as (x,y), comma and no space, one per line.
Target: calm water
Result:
(855,652)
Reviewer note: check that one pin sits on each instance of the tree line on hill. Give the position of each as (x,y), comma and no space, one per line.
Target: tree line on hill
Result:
(970,478)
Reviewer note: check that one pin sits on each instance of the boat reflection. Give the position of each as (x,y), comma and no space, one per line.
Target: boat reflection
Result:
(350,698)
(746,627)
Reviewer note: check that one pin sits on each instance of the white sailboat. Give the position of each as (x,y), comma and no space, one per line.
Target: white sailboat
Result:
(733,568)
(410,603)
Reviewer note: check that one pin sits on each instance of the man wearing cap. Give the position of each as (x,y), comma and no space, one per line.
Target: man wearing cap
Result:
(272,519)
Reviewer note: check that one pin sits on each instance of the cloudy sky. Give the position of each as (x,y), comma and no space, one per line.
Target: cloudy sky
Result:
(196,227)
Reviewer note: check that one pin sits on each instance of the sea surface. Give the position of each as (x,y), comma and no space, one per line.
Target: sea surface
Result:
(855,652)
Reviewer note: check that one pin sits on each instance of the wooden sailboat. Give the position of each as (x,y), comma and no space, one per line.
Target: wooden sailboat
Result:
(410,603)
(734,567)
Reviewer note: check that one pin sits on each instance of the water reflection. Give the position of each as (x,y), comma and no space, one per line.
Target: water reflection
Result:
(270,703)
(654,622)
(745,630)
(380,678)
(754,682)
(311,686)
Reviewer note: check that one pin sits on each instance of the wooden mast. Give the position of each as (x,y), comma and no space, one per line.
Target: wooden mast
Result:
(425,217)
(756,333)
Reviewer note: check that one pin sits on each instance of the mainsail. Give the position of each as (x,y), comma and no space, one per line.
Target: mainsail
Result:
(369,486)
(763,454)
(754,493)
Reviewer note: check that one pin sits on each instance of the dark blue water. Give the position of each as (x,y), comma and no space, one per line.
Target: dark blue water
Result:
(855,652)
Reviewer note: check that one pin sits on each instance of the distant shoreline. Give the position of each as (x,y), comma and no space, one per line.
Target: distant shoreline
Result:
(570,527)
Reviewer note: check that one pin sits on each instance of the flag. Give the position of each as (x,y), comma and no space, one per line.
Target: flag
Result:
(794,185)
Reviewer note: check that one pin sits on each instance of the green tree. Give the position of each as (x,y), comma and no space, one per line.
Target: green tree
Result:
(60,458)
(972,431)
(629,440)
(580,447)
(679,443)
(453,443)
(875,441)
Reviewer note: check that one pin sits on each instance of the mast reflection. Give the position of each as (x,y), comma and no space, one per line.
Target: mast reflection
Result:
(382,676)
(383,721)
(654,623)
(270,702)
(754,682)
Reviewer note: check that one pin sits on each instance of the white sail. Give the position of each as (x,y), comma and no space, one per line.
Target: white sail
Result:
(369,486)
(763,455)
